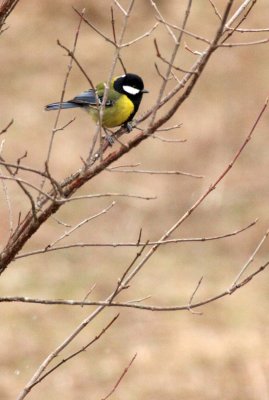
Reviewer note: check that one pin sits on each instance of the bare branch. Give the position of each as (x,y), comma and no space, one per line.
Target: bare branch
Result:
(161,18)
(215,9)
(91,25)
(84,348)
(137,305)
(192,297)
(120,7)
(69,68)
(148,33)
(41,369)
(166,61)
(97,195)
(254,43)
(23,168)
(80,224)
(249,261)
(120,378)
(65,125)
(8,125)
(200,200)
(6,194)
(191,34)
(169,128)
(6,7)
(136,244)
(141,171)
(239,11)
(165,140)
(171,61)
(72,55)
(249,30)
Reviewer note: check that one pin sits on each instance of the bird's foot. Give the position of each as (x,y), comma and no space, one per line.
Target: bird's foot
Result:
(129,126)
(109,138)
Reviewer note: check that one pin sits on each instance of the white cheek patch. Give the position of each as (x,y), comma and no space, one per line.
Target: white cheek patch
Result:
(131,90)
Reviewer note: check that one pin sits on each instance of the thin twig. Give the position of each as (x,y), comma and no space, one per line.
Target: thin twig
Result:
(158,53)
(165,140)
(55,127)
(188,33)
(249,261)
(71,54)
(120,7)
(238,44)
(172,58)
(239,11)
(80,224)
(6,195)
(152,172)
(212,187)
(43,366)
(84,348)
(192,297)
(7,127)
(98,195)
(161,18)
(120,378)
(136,244)
(137,39)
(137,305)
(215,9)
(249,30)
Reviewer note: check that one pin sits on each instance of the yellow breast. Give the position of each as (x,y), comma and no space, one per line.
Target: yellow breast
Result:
(115,115)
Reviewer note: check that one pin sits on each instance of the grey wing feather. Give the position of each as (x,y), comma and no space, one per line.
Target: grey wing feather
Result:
(89,98)
(85,98)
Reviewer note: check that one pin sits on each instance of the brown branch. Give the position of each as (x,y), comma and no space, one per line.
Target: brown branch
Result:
(120,378)
(158,53)
(249,261)
(141,171)
(7,127)
(215,9)
(55,127)
(29,226)
(136,304)
(135,244)
(199,201)
(43,366)
(71,54)
(193,78)
(84,348)
(6,8)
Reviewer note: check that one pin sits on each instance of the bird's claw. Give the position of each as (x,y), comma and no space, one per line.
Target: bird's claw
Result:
(129,126)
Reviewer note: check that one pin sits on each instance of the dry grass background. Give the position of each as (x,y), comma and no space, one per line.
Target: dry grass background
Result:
(222,353)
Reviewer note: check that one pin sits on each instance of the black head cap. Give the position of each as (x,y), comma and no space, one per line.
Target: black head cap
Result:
(130,84)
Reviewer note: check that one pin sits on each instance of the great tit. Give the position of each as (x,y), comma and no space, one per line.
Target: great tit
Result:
(123,99)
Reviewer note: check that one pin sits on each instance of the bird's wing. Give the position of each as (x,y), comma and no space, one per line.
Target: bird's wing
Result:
(85,98)
(112,95)
(89,97)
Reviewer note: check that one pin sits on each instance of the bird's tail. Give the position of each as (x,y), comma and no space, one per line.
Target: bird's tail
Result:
(66,104)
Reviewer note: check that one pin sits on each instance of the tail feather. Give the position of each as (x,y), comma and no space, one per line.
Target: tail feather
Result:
(56,106)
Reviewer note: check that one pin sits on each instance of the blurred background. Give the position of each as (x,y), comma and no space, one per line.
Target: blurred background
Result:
(222,353)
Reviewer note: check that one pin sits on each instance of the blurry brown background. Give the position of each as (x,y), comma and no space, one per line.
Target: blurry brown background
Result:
(222,353)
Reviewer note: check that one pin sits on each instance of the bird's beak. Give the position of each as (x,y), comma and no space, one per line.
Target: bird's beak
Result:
(144,91)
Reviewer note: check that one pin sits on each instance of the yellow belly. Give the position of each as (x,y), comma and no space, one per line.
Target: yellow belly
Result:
(115,115)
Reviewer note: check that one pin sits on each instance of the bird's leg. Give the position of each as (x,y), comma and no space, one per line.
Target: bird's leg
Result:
(108,136)
(129,126)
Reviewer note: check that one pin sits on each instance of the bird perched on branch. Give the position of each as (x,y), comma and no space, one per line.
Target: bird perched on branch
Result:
(122,102)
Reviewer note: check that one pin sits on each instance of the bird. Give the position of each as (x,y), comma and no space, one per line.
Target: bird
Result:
(124,96)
